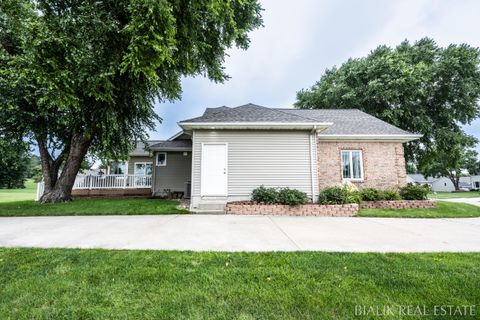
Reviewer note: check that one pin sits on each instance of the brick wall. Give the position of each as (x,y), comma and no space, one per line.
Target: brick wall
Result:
(251,208)
(383,163)
(398,204)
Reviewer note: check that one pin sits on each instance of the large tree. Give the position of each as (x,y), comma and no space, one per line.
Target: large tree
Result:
(14,161)
(452,159)
(419,87)
(82,76)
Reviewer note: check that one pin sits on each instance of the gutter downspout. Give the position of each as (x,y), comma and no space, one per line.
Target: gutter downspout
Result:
(312,168)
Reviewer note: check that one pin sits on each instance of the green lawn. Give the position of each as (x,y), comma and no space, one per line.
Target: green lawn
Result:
(450,195)
(91,207)
(11,195)
(101,284)
(443,210)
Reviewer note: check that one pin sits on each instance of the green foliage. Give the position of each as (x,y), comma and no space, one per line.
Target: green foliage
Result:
(444,209)
(14,160)
(265,195)
(292,197)
(450,157)
(419,87)
(133,284)
(338,195)
(391,195)
(371,194)
(414,192)
(83,76)
(88,207)
(286,196)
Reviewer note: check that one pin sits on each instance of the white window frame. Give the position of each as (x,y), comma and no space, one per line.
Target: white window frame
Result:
(350,158)
(156,159)
(126,168)
(145,163)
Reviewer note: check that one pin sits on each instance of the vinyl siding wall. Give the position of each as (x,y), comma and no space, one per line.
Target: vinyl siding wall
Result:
(260,157)
(174,175)
(133,159)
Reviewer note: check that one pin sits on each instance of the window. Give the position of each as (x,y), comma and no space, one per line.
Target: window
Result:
(118,168)
(143,168)
(352,166)
(161,159)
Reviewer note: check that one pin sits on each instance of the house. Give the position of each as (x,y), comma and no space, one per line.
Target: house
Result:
(225,153)
(439,184)
(475,182)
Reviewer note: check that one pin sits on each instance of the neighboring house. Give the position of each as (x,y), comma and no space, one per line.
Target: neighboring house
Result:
(475,182)
(227,152)
(440,184)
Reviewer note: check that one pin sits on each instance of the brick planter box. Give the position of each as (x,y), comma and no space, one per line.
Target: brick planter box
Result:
(398,204)
(311,209)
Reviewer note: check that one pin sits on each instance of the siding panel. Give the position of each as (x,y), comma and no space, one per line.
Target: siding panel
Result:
(271,158)
(174,175)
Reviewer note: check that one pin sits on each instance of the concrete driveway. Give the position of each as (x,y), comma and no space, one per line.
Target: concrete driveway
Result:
(243,233)
(474,201)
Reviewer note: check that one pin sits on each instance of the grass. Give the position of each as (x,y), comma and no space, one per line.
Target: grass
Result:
(443,210)
(12,195)
(451,195)
(101,284)
(91,207)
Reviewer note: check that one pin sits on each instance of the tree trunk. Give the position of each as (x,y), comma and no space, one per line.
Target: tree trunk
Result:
(456,182)
(60,189)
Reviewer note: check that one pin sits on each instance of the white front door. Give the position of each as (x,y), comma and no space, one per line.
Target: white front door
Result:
(213,178)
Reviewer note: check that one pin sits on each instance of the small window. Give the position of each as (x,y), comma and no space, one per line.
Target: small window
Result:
(118,168)
(161,159)
(352,166)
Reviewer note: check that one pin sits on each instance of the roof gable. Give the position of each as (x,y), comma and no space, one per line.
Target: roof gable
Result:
(335,122)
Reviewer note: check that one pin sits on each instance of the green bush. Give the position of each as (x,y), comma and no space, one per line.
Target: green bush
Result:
(371,194)
(292,197)
(338,195)
(265,195)
(414,192)
(391,195)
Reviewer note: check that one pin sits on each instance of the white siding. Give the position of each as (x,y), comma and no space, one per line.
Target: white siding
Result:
(443,185)
(256,157)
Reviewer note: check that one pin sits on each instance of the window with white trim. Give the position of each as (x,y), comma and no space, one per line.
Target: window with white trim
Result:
(161,159)
(117,168)
(352,165)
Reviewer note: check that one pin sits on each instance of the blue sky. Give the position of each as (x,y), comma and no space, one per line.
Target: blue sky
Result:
(302,38)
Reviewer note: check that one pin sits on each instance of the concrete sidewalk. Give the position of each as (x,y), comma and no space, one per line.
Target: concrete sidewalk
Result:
(243,233)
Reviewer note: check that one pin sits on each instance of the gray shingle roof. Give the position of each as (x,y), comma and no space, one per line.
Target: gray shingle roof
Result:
(180,144)
(348,121)
(345,121)
(248,113)
(140,148)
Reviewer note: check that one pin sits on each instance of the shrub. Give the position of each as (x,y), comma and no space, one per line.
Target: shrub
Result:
(371,194)
(338,195)
(265,195)
(292,197)
(391,195)
(414,192)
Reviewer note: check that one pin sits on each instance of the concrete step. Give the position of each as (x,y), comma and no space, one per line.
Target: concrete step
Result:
(212,206)
(198,211)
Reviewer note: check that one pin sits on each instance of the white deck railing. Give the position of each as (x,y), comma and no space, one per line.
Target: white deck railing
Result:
(109,181)
(112,181)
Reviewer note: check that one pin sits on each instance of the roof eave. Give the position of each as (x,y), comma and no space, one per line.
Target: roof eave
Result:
(171,149)
(370,137)
(255,125)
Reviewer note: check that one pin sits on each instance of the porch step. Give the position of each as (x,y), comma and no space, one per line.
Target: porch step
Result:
(198,211)
(212,206)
